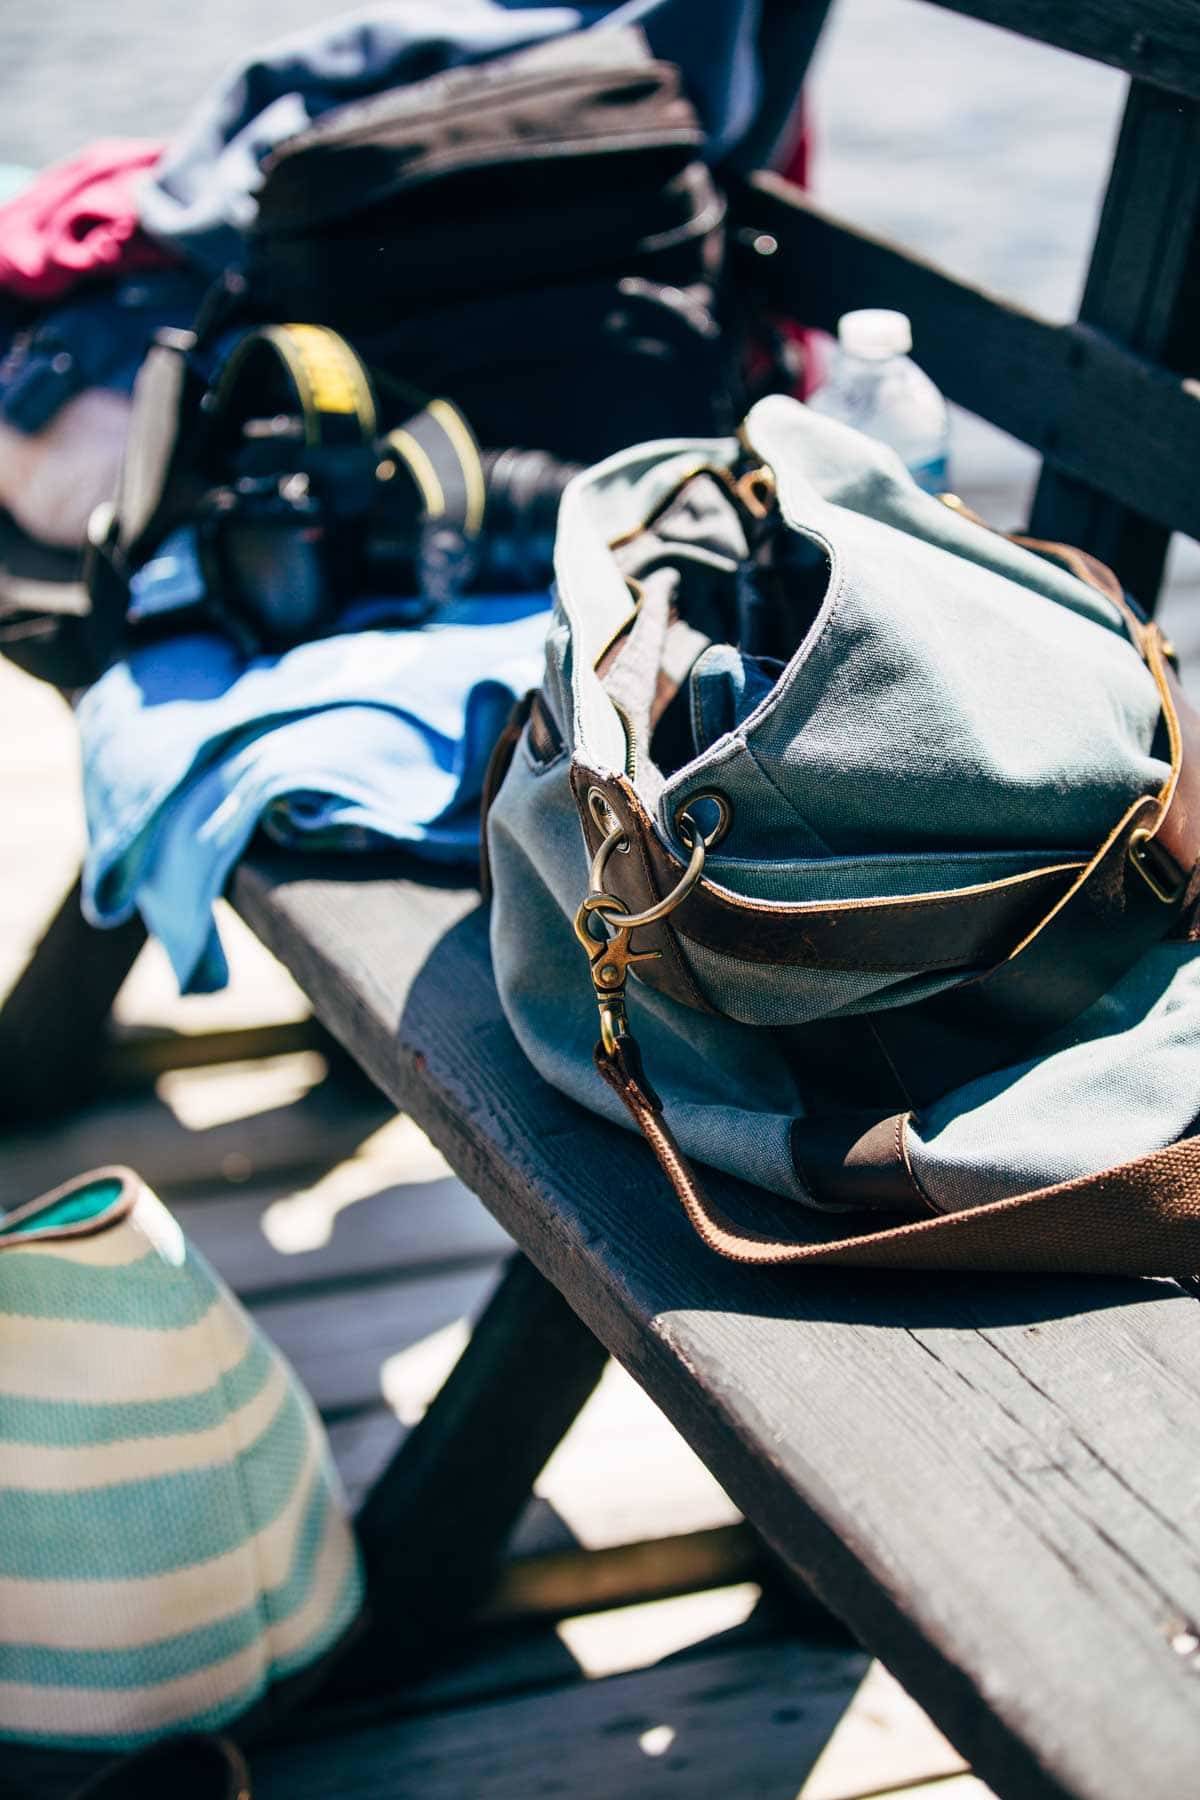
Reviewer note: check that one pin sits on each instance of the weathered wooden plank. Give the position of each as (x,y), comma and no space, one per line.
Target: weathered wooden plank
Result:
(496,1662)
(52,1022)
(882,1743)
(554,1583)
(548,1571)
(621,1476)
(134,1059)
(956,1787)
(1156,40)
(302,1138)
(1141,291)
(1093,408)
(437,1518)
(743,1722)
(272,1242)
(260,992)
(983,1477)
(340,1343)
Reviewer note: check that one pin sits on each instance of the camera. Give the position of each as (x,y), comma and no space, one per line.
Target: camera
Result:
(303,498)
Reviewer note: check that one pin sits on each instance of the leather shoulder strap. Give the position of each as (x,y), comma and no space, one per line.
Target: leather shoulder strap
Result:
(1136,1218)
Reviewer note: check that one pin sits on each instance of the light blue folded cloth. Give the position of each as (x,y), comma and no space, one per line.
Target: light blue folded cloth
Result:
(364,739)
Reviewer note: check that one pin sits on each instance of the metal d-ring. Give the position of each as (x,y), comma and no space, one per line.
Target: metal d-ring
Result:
(603,816)
(614,911)
(612,842)
(684,818)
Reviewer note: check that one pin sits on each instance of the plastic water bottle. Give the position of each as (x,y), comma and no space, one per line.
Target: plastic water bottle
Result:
(875,386)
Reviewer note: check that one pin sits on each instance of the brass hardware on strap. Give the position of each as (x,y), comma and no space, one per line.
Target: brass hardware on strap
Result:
(1140,842)
(610,956)
(756,491)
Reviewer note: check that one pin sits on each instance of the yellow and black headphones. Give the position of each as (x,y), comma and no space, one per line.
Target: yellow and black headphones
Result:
(301,495)
(321,501)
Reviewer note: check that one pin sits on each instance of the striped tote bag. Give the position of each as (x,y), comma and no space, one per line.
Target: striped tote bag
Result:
(174,1549)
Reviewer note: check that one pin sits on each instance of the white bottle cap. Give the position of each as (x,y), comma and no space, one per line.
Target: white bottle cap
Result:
(875,333)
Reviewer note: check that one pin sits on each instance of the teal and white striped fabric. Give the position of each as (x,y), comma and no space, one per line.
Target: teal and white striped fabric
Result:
(173,1540)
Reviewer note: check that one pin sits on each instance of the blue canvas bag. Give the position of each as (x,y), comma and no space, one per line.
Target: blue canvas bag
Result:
(872,834)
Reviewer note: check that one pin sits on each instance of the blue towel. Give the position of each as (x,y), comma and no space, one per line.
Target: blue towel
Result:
(364,739)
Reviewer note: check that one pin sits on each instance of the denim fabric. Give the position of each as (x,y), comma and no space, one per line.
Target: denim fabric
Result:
(201,197)
(353,741)
(947,719)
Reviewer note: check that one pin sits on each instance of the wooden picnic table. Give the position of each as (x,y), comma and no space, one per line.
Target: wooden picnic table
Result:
(990,1480)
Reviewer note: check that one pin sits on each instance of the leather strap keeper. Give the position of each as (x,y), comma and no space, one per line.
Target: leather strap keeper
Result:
(849,1163)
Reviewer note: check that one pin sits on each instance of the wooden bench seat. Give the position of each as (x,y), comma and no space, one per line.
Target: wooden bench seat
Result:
(991,1481)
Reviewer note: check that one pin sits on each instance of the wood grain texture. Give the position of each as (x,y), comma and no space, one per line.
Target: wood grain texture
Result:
(621,1476)
(502,1662)
(742,1723)
(991,1480)
(340,1343)
(438,1516)
(392,1229)
(52,1022)
(1156,40)
(883,1742)
(300,1139)
(1094,409)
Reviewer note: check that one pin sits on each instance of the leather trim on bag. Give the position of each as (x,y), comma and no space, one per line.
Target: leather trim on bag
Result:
(498,766)
(543,736)
(1140,1217)
(958,929)
(130,1187)
(971,929)
(1084,945)
(1080,563)
(845,1164)
(630,878)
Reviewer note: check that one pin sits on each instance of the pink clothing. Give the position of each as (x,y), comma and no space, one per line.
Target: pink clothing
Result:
(79,218)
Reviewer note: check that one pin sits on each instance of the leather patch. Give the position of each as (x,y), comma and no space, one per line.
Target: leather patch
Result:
(857,1162)
(630,878)
(964,930)
(498,766)
(1081,563)
(544,738)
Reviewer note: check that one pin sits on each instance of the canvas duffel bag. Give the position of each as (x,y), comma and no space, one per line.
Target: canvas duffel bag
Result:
(872,834)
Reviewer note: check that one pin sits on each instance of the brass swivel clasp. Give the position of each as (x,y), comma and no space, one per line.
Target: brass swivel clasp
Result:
(610,958)
(611,955)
